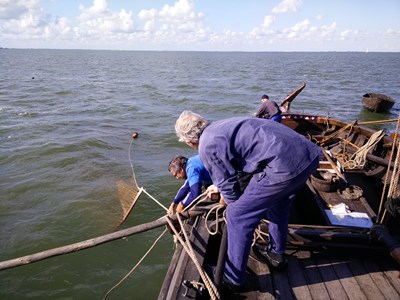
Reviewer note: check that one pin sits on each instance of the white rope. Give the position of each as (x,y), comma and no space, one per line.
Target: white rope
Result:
(189,250)
(216,208)
(155,200)
(396,167)
(359,158)
(395,176)
(130,160)
(395,173)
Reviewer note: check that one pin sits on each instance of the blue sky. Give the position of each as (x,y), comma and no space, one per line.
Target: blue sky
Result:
(202,25)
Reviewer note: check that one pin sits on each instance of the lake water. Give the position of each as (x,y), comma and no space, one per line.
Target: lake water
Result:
(66,118)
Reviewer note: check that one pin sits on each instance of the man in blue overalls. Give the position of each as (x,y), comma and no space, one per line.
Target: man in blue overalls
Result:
(280,161)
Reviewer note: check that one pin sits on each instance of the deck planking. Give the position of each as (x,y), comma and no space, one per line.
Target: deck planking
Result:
(311,274)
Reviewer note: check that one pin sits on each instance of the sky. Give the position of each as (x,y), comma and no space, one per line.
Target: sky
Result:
(202,25)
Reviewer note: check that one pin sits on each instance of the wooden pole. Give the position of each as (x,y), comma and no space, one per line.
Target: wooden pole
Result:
(377,122)
(94,241)
(338,173)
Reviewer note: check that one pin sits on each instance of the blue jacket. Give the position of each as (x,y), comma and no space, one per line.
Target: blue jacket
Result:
(231,147)
(197,177)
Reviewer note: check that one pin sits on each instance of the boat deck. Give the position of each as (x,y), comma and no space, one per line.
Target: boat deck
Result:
(311,274)
(326,275)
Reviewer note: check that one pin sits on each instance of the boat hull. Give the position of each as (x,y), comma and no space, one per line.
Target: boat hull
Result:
(377,102)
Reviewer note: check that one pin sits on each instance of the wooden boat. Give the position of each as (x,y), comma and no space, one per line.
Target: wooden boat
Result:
(355,254)
(331,256)
(377,102)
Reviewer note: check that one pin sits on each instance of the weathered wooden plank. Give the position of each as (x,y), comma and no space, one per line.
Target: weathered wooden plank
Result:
(367,285)
(346,278)
(329,277)
(315,283)
(261,281)
(392,272)
(297,280)
(282,286)
(182,267)
(370,289)
(175,289)
(199,239)
(171,270)
(381,280)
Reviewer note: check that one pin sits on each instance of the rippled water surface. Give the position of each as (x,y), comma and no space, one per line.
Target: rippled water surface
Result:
(66,118)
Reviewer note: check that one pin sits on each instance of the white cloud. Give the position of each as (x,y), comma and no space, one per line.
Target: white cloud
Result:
(264,29)
(25,20)
(304,31)
(14,9)
(392,32)
(176,24)
(97,21)
(286,6)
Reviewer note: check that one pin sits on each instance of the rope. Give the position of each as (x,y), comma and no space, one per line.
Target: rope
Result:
(208,282)
(155,200)
(395,173)
(196,201)
(260,235)
(134,268)
(217,208)
(189,250)
(130,159)
(337,133)
(359,158)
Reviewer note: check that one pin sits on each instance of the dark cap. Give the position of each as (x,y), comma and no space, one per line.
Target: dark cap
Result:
(264,96)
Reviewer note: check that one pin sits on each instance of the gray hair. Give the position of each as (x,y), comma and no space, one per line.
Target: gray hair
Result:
(177,162)
(189,127)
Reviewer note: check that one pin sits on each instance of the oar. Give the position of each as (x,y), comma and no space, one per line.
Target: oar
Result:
(98,240)
(332,163)
(289,98)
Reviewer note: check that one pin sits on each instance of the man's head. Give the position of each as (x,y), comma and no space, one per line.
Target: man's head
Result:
(177,167)
(264,98)
(189,127)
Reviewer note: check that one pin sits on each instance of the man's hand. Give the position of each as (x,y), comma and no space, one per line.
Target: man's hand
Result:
(212,192)
(171,208)
(180,208)
(212,189)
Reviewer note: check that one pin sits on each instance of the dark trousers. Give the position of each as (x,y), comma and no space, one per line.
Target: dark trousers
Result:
(260,199)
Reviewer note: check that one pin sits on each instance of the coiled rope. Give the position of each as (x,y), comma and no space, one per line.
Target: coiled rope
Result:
(359,158)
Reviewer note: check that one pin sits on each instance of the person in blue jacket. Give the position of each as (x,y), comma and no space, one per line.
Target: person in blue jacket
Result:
(195,175)
(279,161)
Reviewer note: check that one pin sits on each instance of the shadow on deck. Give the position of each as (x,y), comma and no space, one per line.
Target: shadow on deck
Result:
(326,275)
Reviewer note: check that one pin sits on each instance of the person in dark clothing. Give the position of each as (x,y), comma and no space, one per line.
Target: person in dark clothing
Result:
(195,175)
(279,160)
(269,110)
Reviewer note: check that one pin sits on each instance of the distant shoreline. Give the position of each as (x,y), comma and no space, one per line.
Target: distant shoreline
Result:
(200,51)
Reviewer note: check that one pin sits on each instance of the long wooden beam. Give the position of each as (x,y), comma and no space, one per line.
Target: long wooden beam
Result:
(95,241)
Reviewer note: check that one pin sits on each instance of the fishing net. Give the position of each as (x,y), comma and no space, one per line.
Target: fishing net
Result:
(128,194)
(128,190)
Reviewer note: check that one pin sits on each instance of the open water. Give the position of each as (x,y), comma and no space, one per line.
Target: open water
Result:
(66,118)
